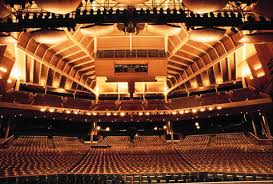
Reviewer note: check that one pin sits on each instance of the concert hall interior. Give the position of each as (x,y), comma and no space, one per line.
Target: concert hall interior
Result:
(136,91)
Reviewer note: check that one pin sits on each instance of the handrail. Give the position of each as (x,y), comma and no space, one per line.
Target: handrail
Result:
(11,137)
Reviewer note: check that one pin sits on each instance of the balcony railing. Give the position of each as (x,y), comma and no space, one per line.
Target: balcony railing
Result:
(131,54)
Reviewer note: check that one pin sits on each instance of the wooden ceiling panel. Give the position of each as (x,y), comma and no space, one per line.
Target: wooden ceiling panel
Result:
(186,54)
(181,60)
(199,45)
(194,50)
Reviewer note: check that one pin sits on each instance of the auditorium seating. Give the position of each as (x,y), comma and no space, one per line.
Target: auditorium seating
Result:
(147,158)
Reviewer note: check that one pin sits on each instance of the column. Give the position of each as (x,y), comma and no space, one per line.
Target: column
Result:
(7,131)
(254,127)
(266,125)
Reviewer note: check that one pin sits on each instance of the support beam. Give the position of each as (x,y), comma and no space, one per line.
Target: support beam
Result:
(206,67)
(49,65)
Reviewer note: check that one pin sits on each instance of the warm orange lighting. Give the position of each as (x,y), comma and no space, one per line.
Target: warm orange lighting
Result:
(202,109)
(43,109)
(140,113)
(174,112)
(88,114)
(122,114)
(98,128)
(2,69)
(107,129)
(187,111)
(115,114)
(94,113)
(257,66)
(76,112)
(68,112)
(219,107)
(108,114)
(261,74)
(9,81)
(194,110)
(164,127)
(181,112)
(245,71)
(147,113)
(210,108)
(51,110)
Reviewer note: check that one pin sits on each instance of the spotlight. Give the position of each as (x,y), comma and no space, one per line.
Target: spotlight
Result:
(196,124)
(107,129)
(164,127)
(155,128)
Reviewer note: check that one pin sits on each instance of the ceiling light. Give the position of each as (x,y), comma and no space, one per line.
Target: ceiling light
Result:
(147,113)
(187,111)
(51,110)
(76,112)
(164,127)
(43,109)
(194,110)
(181,112)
